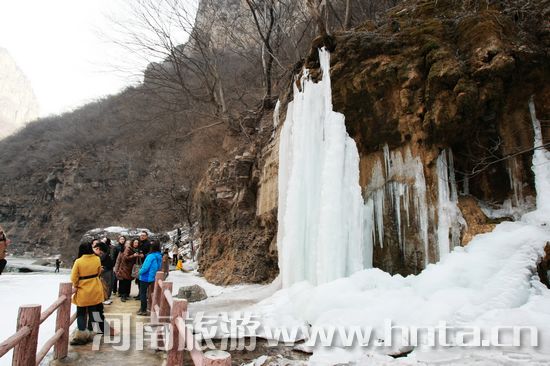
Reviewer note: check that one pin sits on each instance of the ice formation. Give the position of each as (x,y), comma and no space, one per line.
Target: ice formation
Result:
(326,229)
(399,181)
(492,282)
(448,214)
(541,159)
(320,203)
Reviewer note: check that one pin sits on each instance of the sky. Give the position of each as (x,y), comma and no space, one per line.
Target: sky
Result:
(66,49)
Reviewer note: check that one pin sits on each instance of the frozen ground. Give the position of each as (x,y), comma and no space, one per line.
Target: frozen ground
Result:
(31,288)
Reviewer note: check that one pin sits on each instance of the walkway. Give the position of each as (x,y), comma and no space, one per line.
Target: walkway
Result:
(121,314)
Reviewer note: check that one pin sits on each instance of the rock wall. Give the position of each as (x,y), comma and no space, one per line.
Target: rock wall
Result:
(237,205)
(436,98)
(438,80)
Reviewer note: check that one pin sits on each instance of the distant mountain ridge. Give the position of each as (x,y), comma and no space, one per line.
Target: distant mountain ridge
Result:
(18,103)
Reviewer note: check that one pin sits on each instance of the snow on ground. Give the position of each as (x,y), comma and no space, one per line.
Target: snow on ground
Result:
(19,262)
(221,298)
(491,282)
(21,289)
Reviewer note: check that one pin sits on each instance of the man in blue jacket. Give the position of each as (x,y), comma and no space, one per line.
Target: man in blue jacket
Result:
(150,267)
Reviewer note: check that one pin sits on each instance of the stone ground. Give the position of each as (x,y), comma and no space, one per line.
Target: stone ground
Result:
(120,314)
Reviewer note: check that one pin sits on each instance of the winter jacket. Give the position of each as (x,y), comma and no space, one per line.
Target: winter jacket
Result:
(116,250)
(85,278)
(150,267)
(126,263)
(145,246)
(106,262)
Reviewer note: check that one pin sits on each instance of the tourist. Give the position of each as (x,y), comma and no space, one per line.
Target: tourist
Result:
(166,263)
(103,250)
(57,264)
(4,242)
(115,254)
(144,243)
(144,247)
(151,265)
(88,294)
(129,258)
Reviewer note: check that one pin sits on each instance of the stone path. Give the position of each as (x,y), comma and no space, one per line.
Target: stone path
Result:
(127,351)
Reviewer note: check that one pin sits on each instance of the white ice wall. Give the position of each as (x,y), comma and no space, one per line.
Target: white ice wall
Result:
(320,203)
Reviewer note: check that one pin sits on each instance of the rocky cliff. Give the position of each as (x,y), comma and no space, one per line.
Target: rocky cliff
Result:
(436,96)
(18,104)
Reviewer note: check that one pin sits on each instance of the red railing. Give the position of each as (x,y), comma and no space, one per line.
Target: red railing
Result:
(166,309)
(25,340)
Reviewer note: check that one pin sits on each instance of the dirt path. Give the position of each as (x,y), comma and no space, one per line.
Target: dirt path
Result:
(132,348)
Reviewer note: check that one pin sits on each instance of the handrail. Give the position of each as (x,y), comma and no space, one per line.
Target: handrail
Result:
(168,295)
(12,341)
(53,307)
(25,340)
(46,347)
(166,309)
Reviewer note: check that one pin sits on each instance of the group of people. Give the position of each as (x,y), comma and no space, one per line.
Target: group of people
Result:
(102,269)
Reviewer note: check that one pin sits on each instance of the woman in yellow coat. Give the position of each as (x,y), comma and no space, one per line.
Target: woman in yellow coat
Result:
(89,295)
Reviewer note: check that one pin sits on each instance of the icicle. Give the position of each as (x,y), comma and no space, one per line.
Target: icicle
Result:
(541,162)
(449,217)
(516,184)
(276,114)
(400,176)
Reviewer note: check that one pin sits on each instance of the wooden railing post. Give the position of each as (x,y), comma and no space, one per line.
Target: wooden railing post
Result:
(177,338)
(24,353)
(217,358)
(63,321)
(164,312)
(157,293)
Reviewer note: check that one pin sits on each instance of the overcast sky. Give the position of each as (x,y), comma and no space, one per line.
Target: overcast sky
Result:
(65,48)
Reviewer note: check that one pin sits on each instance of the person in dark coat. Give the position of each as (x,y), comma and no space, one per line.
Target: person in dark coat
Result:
(145,248)
(57,264)
(126,262)
(107,272)
(144,243)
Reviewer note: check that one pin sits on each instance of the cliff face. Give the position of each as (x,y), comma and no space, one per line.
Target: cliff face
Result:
(18,103)
(237,203)
(437,101)
(436,97)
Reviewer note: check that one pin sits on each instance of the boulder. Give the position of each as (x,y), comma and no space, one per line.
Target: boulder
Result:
(192,293)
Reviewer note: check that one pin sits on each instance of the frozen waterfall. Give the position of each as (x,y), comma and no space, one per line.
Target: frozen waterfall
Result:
(320,204)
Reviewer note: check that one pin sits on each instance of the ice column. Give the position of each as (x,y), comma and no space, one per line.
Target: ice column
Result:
(320,203)
(449,216)
(541,163)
